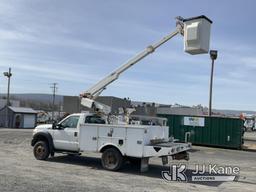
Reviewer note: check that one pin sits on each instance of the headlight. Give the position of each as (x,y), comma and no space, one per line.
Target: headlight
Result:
(34,131)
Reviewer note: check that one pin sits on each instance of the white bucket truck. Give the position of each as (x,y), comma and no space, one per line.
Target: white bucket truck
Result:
(120,139)
(84,132)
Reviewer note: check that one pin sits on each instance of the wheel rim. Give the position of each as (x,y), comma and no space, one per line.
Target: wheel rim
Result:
(110,160)
(40,151)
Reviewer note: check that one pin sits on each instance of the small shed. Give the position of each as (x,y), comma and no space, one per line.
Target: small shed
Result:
(18,117)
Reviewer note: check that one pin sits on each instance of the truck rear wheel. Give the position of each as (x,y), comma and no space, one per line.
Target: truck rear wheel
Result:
(112,159)
(41,150)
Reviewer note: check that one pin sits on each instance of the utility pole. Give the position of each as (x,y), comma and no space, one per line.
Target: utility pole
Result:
(59,110)
(213,55)
(54,90)
(8,75)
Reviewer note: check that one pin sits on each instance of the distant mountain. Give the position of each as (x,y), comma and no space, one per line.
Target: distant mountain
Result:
(232,112)
(36,100)
(44,98)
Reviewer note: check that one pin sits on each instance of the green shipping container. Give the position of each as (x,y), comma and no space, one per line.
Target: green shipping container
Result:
(208,131)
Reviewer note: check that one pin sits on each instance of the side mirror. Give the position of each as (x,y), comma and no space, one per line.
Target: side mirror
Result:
(56,126)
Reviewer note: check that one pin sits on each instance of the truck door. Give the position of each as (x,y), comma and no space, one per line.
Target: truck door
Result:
(66,136)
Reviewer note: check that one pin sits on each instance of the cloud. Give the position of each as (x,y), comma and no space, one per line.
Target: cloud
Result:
(249,62)
(81,43)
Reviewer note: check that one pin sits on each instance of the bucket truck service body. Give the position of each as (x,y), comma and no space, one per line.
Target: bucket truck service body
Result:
(125,139)
(82,132)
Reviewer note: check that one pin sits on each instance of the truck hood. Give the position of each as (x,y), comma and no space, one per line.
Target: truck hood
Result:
(44,126)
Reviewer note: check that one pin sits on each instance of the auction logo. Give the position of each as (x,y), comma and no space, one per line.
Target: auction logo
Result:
(201,173)
(176,173)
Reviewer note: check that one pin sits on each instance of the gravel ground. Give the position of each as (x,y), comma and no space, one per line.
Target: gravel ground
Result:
(19,171)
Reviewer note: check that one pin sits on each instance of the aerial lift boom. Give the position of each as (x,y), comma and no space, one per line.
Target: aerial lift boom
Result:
(89,96)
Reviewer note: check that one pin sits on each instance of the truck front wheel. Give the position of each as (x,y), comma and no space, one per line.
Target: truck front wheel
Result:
(41,150)
(112,159)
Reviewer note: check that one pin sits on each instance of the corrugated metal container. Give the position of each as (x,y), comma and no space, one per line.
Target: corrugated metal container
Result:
(208,131)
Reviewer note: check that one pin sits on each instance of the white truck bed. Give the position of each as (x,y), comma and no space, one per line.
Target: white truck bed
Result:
(131,140)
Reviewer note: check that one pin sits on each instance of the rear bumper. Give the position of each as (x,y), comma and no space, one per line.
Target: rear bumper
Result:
(166,149)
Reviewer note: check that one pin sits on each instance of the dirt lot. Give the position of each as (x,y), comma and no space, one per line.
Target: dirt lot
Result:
(19,171)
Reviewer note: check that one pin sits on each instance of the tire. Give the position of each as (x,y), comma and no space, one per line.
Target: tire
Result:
(112,159)
(41,150)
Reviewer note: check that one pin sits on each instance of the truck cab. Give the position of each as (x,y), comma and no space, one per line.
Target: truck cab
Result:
(64,134)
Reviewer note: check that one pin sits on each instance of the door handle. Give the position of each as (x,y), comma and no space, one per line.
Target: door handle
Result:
(75,134)
(94,138)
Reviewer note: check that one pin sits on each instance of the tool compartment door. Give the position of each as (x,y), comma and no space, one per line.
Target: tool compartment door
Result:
(112,135)
(135,142)
(88,137)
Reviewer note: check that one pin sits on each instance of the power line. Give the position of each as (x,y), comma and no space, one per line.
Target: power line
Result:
(54,90)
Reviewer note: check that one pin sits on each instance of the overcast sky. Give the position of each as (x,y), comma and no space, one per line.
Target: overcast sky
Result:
(76,43)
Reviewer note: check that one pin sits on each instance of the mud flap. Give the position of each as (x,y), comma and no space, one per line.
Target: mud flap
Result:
(144,164)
